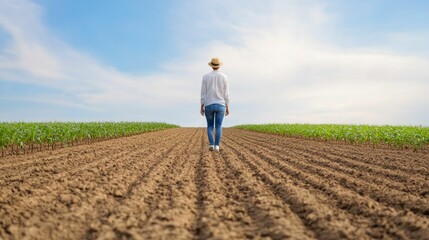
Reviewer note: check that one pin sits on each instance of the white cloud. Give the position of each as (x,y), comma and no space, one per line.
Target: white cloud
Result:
(35,56)
(285,70)
(281,65)
(28,50)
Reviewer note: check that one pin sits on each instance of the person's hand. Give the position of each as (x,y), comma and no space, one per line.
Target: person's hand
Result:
(202,110)
(227,111)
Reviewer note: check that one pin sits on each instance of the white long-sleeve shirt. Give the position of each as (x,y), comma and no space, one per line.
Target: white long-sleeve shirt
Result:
(215,89)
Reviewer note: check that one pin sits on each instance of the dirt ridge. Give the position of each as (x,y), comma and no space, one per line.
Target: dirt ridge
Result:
(167,185)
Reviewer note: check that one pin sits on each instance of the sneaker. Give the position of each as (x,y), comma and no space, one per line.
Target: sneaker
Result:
(211,148)
(217,148)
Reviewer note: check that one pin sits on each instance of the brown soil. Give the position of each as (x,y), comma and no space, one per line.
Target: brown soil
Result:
(167,185)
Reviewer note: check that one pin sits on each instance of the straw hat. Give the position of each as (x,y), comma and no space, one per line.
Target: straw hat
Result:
(215,63)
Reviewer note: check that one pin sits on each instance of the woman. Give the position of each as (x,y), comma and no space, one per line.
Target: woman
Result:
(214,102)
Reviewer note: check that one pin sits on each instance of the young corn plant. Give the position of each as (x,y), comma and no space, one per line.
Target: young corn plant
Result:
(415,137)
(23,137)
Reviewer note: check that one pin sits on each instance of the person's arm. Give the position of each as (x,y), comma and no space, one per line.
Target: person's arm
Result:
(226,94)
(203,95)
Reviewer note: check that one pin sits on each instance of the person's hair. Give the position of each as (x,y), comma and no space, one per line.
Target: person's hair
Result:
(215,68)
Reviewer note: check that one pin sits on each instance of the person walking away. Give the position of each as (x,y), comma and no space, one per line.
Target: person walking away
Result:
(214,102)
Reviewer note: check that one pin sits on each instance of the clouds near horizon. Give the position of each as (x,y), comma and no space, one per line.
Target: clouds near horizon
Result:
(287,62)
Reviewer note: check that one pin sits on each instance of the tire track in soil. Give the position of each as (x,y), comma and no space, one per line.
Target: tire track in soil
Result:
(167,185)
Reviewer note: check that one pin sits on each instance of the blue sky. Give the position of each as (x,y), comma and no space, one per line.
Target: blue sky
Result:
(288,61)
(132,36)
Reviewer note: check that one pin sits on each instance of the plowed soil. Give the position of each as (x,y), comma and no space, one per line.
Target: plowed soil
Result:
(167,185)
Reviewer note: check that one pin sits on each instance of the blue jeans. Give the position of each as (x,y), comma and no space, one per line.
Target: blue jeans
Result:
(214,116)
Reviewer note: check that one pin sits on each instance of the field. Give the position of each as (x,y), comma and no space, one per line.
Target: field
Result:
(24,137)
(167,185)
(415,137)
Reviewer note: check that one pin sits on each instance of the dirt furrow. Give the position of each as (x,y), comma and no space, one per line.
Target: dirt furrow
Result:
(393,197)
(169,196)
(92,186)
(100,166)
(219,214)
(366,157)
(81,158)
(46,156)
(406,162)
(390,158)
(167,185)
(369,183)
(272,217)
(396,180)
(178,213)
(123,212)
(348,199)
(326,222)
(365,166)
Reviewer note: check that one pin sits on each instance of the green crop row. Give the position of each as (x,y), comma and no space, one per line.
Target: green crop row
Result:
(18,136)
(397,136)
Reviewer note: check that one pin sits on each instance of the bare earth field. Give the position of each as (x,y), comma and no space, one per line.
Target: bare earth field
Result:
(167,185)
